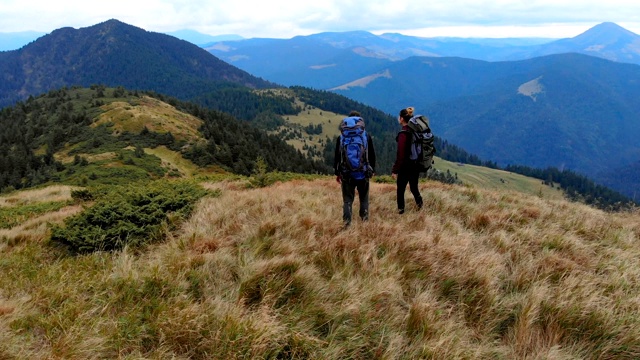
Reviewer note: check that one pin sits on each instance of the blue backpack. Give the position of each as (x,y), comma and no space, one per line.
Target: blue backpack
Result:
(353,147)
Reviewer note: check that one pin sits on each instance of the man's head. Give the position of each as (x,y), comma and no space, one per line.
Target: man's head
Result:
(354,113)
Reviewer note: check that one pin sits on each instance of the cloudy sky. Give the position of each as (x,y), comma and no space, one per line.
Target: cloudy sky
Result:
(288,18)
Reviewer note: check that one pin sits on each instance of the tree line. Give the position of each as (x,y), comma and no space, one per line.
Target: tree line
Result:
(35,129)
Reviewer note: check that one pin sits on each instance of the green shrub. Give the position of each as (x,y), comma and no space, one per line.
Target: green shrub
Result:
(81,195)
(259,180)
(131,216)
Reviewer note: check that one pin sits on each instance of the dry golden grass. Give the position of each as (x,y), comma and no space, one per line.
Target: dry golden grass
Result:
(37,229)
(64,157)
(47,194)
(269,273)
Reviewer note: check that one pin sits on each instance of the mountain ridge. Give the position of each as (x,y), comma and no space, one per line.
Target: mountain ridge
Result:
(606,40)
(103,52)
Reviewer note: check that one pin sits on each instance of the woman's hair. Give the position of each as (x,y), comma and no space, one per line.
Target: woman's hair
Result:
(410,110)
(405,115)
(354,113)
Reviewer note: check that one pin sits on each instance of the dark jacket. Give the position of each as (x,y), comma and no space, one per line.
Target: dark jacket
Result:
(403,163)
(337,158)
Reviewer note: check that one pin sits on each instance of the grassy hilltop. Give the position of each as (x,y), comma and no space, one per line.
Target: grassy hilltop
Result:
(268,273)
(139,242)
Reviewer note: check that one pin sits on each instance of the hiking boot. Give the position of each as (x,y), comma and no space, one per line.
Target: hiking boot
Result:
(419,205)
(400,211)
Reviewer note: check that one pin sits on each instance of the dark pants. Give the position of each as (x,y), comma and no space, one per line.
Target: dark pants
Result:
(411,178)
(349,187)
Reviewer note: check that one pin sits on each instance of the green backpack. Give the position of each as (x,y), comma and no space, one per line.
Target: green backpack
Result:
(422,148)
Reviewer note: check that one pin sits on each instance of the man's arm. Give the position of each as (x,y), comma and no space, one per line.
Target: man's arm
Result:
(337,158)
(371,153)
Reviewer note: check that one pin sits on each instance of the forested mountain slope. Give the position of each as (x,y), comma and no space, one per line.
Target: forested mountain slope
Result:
(115,54)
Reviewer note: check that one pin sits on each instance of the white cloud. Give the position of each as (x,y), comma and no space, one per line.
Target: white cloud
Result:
(285,18)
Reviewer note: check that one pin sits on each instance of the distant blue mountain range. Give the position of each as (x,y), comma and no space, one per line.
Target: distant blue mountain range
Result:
(295,61)
(16,40)
(568,103)
(201,39)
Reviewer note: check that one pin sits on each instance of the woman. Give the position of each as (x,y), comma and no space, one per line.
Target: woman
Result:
(404,170)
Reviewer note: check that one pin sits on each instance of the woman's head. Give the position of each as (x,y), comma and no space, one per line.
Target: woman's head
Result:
(404,115)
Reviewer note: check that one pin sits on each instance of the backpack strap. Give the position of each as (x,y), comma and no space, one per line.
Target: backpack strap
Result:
(410,137)
(365,142)
(409,133)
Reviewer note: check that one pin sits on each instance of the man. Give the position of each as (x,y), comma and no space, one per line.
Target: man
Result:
(354,163)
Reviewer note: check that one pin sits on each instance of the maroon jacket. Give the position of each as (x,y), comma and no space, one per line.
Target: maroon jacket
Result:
(402,163)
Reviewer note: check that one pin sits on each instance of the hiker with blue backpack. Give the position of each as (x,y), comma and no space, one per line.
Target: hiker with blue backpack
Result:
(414,155)
(354,163)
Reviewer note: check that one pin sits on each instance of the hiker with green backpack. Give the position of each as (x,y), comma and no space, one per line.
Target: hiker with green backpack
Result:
(354,164)
(414,155)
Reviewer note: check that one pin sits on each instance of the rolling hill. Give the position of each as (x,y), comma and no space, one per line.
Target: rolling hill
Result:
(100,135)
(97,135)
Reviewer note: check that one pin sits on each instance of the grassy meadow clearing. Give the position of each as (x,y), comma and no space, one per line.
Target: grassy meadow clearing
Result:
(269,273)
